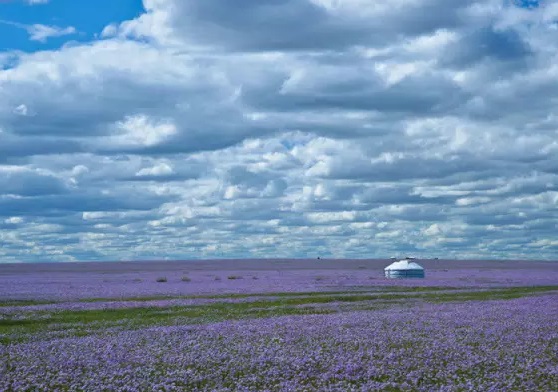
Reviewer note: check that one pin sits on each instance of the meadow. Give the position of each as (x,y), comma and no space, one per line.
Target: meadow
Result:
(278,325)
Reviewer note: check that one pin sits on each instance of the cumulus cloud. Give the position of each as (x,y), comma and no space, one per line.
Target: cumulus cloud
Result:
(347,128)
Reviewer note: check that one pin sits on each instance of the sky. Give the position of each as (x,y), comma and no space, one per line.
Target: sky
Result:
(187,129)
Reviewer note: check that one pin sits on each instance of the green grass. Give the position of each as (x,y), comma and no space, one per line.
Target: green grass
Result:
(85,320)
(491,294)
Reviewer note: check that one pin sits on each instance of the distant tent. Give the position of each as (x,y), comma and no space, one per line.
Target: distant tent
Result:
(406,268)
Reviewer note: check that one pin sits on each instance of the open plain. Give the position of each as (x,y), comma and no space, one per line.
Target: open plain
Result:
(278,325)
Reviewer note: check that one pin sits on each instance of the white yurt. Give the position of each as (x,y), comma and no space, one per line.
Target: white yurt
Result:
(406,268)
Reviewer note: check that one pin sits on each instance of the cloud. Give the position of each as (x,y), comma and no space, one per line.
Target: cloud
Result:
(22,110)
(349,128)
(161,169)
(141,131)
(303,25)
(41,32)
(21,181)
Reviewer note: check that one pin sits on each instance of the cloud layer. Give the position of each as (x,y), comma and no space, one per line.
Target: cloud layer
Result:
(287,129)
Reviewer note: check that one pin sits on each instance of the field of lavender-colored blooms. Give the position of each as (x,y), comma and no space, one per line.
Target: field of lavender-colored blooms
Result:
(278,325)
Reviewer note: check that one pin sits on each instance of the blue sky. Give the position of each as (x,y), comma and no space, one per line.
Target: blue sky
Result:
(87,17)
(303,128)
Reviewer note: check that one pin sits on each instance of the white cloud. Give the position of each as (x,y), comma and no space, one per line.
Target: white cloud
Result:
(433,230)
(109,31)
(14,220)
(22,110)
(326,217)
(141,131)
(41,33)
(160,169)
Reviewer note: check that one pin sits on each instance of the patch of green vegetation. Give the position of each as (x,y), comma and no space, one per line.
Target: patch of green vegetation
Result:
(90,320)
(490,294)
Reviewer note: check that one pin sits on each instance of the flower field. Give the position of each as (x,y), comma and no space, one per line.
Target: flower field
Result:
(381,336)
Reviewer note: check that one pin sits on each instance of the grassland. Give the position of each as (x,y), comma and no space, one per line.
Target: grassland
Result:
(21,326)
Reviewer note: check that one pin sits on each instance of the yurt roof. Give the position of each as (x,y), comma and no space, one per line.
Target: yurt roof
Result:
(404,265)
